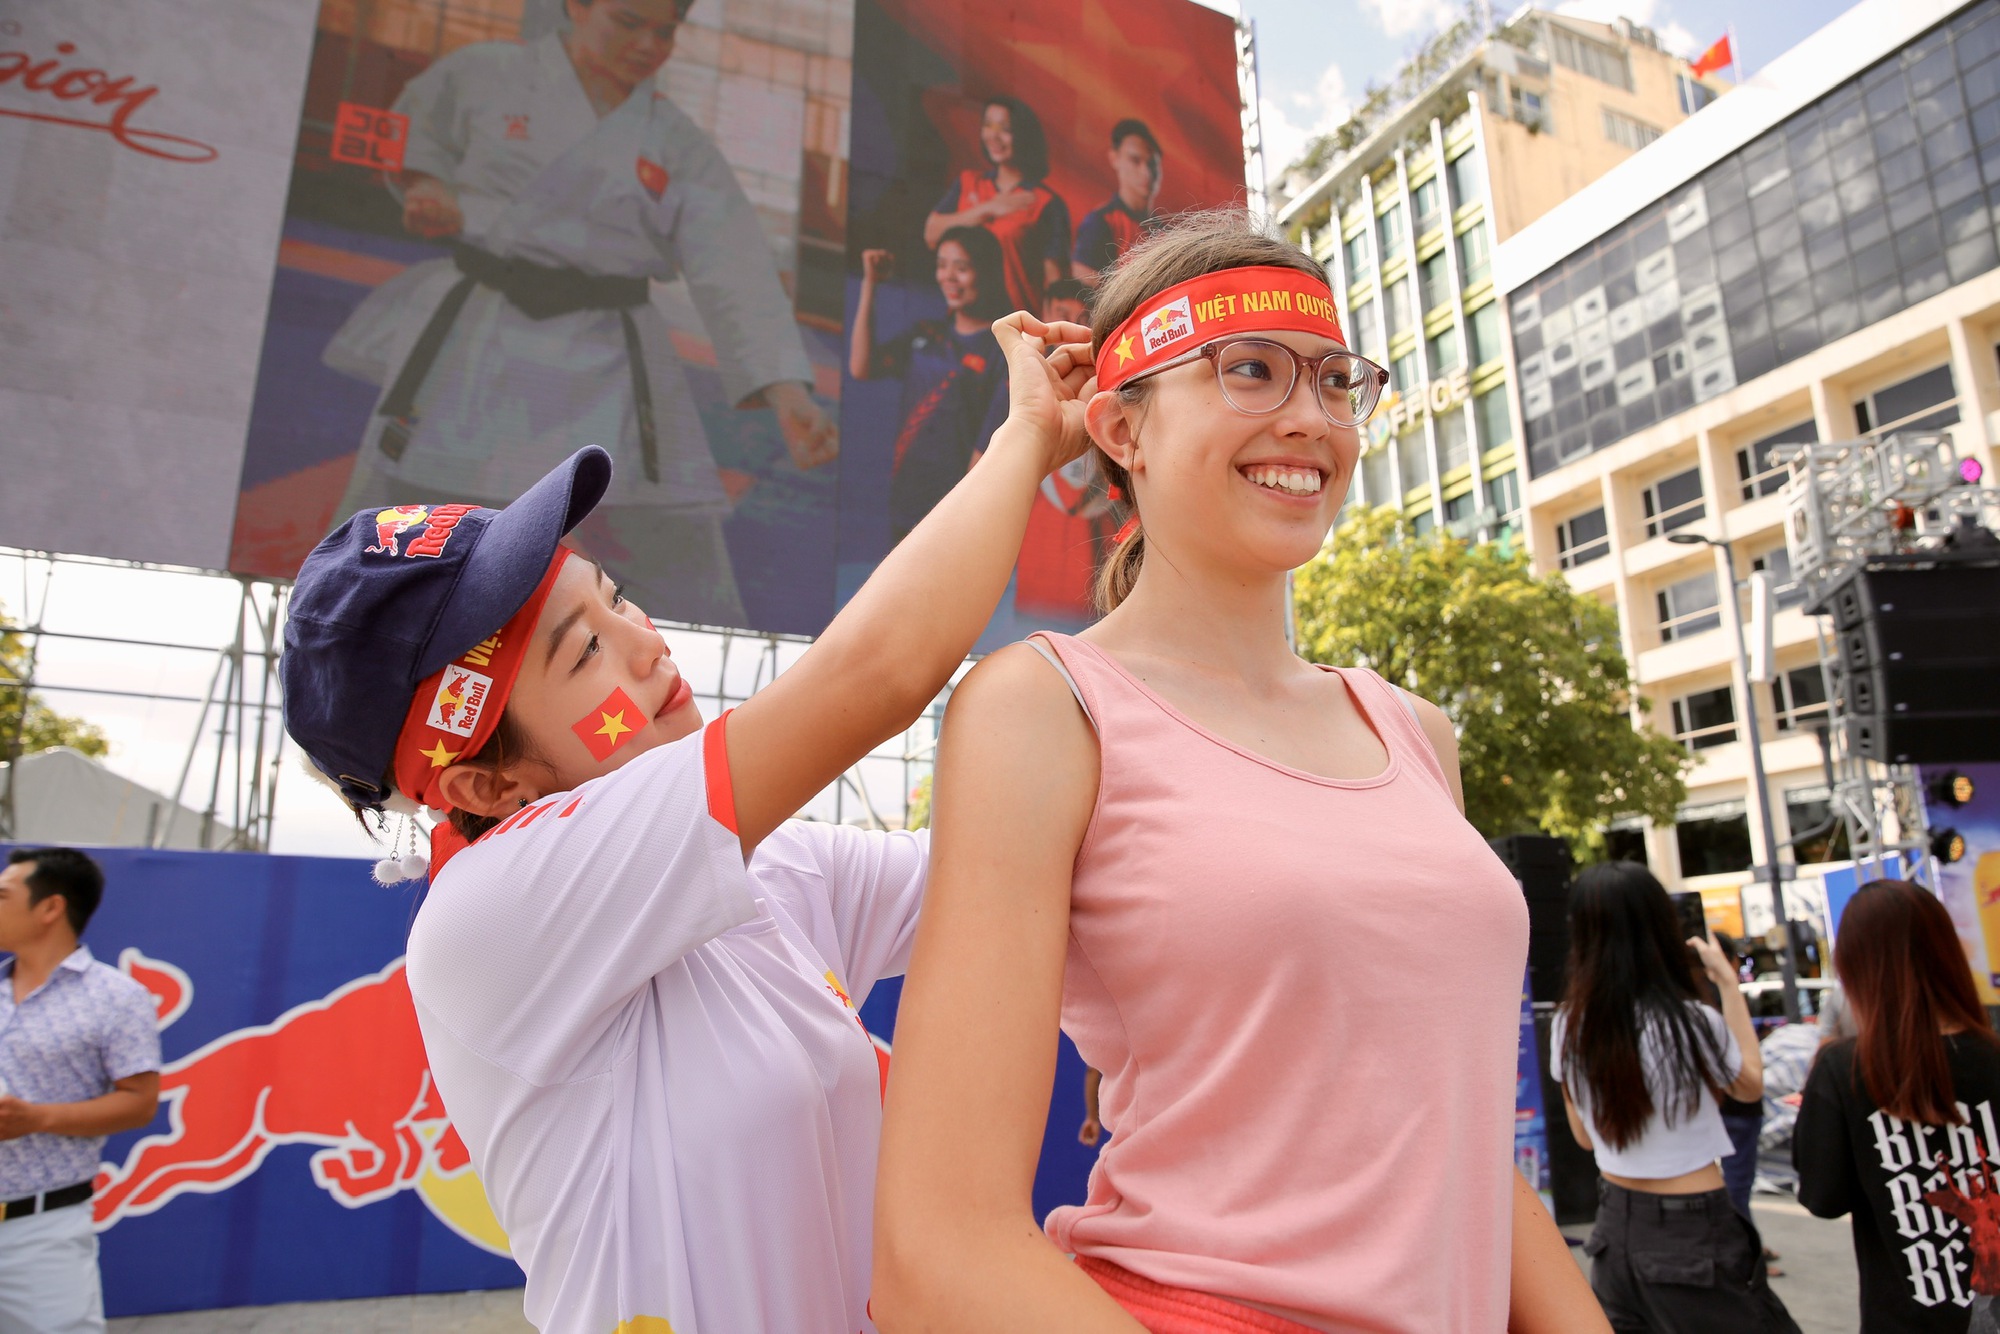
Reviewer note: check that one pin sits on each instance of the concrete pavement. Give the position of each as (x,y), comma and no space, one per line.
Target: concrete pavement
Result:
(1818,1286)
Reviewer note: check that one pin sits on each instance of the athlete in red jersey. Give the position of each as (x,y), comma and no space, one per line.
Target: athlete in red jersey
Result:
(1010,200)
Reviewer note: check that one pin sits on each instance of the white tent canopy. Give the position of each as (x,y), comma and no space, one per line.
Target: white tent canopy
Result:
(62,796)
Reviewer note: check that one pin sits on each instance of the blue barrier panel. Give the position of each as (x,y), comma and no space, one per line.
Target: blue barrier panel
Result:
(300,1153)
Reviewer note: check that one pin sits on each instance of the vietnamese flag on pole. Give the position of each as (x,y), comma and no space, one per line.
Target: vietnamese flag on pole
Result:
(1713,59)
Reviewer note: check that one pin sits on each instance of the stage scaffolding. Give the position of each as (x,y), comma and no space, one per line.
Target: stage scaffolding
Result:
(237,751)
(1848,501)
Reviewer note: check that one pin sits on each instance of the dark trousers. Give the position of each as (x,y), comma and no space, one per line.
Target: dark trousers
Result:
(1681,1264)
(1739,1169)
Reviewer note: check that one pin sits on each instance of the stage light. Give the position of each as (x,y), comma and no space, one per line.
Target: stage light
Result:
(1970,471)
(1951,788)
(1947,845)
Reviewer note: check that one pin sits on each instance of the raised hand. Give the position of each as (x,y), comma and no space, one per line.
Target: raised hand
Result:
(877,265)
(1051,376)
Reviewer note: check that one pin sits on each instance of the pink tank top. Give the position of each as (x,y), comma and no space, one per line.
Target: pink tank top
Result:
(1304,995)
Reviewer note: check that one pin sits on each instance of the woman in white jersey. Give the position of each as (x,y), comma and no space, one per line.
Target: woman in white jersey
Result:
(649,1047)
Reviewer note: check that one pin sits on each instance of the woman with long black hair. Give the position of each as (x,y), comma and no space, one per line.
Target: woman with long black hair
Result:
(1898,1125)
(1012,200)
(1642,1062)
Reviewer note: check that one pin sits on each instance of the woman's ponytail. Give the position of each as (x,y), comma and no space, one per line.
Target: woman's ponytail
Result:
(1120,571)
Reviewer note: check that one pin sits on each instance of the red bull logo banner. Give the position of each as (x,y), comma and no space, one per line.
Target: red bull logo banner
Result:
(301,1151)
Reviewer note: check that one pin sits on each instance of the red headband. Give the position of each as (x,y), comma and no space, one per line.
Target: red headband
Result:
(1187,315)
(455,710)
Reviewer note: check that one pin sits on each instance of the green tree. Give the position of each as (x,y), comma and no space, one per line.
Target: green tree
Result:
(1529,672)
(27,723)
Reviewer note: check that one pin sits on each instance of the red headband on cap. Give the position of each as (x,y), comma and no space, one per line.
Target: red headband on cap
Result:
(455,710)
(1187,315)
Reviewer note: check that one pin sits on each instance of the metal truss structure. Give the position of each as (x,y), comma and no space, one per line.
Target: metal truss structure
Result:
(237,747)
(1847,502)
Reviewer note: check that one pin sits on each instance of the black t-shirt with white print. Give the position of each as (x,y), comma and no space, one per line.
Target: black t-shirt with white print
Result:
(1916,1260)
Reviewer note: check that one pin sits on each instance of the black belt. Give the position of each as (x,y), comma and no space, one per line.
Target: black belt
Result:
(41,1204)
(1699,1202)
(539,292)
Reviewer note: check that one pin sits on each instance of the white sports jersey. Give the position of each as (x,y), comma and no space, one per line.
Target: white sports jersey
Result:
(651,1052)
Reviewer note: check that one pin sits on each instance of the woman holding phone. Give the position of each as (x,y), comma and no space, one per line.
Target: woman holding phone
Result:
(1642,1063)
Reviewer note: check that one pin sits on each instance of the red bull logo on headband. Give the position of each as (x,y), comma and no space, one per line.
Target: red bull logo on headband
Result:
(1168,325)
(1253,299)
(461,697)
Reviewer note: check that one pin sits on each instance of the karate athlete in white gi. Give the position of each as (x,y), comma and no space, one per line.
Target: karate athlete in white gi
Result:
(566,184)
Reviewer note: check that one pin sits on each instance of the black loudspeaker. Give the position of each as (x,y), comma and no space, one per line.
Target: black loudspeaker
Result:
(1919,642)
(1572,1168)
(1542,865)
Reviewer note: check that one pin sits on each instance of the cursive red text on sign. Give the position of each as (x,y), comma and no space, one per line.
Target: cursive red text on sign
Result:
(86,90)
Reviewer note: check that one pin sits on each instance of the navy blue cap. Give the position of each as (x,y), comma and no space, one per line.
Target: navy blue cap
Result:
(391,596)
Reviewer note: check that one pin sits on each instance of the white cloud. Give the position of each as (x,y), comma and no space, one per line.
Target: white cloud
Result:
(1674,35)
(1400,18)
(1291,121)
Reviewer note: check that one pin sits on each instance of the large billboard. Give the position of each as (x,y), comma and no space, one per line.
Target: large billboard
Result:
(1003,156)
(266,269)
(143,156)
(301,1152)
(518,228)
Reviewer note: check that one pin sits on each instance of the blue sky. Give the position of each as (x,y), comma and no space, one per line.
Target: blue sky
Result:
(1315,56)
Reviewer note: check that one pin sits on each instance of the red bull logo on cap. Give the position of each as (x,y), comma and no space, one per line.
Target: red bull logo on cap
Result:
(346,1073)
(432,526)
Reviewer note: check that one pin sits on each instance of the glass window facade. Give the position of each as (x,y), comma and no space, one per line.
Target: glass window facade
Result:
(1496,421)
(1757,472)
(1627,132)
(1434,279)
(1466,175)
(1926,402)
(1397,301)
(1582,538)
(1786,592)
(1395,230)
(1705,718)
(1413,460)
(1674,502)
(1429,201)
(1482,328)
(1446,353)
(1599,60)
(1355,250)
(1378,479)
(1503,493)
(1454,443)
(1715,843)
(1689,607)
(1798,697)
(1368,328)
(1877,196)
(1474,254)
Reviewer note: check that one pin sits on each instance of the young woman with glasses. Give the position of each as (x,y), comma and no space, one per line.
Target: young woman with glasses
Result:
(1240,882)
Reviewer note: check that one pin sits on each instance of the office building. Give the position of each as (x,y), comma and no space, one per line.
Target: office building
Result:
(1407,218)
(1811,259)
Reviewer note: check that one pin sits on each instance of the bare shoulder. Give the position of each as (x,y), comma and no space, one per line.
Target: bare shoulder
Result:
(1014,730)
(1019,686)
(1444,742)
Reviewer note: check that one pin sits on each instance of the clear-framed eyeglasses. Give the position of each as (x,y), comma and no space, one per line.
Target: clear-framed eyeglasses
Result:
(1258,375)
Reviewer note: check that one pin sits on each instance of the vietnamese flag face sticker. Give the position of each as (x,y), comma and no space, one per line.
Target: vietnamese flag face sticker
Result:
(610,725)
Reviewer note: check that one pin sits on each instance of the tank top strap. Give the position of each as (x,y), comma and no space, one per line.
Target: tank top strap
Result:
(1394,712)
